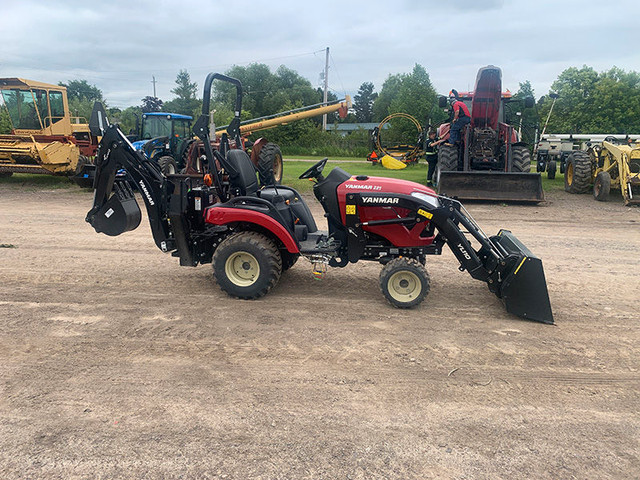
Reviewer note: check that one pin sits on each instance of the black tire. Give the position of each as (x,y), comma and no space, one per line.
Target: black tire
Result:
(447,160)
(270,165)
(521,160)
(602,186)
(404,282)
(167,165)
(577,174)
(288,259)
(5,174)
(82,161)
(247,265)
(551,170)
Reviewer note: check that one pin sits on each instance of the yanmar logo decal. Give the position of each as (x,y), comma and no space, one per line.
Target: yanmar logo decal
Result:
(380,200)
(146,192)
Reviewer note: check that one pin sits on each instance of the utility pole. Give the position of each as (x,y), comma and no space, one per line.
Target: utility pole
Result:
(326,89)
(154,86)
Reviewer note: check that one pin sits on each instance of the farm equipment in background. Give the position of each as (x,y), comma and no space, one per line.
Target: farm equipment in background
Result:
(44,137)
(265,156)
(553,150)
(605,166)
(165,138)
(252,235)
(397,156)
(491,163)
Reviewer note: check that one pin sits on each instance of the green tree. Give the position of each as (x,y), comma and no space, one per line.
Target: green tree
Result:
(520,116)
(151,104)
(185,102)
(591,102)
(5,121)
(81,90)
(81,97)
(363,102)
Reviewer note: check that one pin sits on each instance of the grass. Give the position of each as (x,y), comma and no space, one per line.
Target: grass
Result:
(37,181)
(293,169)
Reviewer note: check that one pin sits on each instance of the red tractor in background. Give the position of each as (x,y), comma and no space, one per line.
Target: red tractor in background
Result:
(490,163)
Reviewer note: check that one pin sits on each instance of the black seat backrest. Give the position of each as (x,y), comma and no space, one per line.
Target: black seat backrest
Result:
(242,173)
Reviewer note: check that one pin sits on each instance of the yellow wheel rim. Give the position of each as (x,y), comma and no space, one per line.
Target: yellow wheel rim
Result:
(242,269)
(404,286)
(569,173)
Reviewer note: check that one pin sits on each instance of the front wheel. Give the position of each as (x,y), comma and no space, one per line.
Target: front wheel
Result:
(521,159)
(404,282)
(447,160)
(602,186)
(247,265)
(551,170)
(167,165)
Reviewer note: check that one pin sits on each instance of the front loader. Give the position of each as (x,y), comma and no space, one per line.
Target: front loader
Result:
(490,163)
(252,235)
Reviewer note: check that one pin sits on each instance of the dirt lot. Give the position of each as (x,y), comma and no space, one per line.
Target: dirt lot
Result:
(115,362)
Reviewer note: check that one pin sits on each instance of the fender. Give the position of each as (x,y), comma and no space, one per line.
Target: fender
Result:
(225,215)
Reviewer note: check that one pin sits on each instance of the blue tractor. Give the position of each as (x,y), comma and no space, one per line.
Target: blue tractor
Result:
(165,138)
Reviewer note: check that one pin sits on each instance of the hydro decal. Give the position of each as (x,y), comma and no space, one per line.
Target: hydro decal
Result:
(380,200)
(465,254)
(146,192)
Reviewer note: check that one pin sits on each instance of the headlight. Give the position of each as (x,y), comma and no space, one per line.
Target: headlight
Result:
(431,200)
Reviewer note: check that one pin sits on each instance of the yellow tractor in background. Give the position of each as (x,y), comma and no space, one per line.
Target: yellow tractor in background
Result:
(44,137)
(604,166)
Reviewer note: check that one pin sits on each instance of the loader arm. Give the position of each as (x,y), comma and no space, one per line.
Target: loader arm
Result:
(115,210)
(512,272)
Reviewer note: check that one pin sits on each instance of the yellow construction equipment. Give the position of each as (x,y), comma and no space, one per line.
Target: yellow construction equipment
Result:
(605,166)
(44,137)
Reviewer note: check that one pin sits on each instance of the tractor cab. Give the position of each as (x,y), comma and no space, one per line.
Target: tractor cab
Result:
(165,136)
(37,108)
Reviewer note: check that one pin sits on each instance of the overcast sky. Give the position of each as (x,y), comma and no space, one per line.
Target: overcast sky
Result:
(120,45)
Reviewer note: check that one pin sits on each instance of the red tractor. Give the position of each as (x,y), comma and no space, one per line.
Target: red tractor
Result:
(490,163)
(252,235)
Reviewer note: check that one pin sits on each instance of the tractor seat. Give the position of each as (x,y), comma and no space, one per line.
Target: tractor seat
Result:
(287,197)
(242,173)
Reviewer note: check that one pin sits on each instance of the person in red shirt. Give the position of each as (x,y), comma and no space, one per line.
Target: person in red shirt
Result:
(461,117)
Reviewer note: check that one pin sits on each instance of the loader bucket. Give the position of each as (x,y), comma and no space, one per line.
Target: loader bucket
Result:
(523,289)
(491,185)
(118,215)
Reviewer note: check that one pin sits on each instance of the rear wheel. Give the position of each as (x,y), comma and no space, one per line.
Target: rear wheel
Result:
(577,174)
(447,160)
(602,186)
(270,165)
(521,161)
(404,282)
(167,165)
(247,265)
(5,174)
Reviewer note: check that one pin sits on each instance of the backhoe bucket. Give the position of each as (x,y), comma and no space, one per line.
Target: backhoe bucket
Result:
(523,288)
(497,186)
(118,215)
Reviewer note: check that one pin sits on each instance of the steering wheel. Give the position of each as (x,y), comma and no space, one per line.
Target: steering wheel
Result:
(315,171)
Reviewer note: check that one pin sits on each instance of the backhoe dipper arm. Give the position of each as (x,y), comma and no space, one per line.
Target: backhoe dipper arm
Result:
(115,210)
